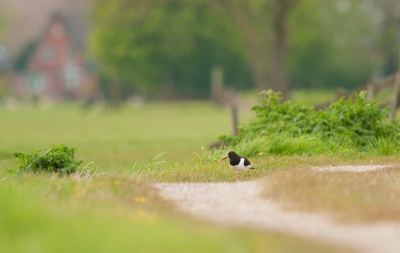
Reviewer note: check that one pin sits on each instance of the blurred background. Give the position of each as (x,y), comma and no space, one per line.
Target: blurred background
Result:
(134,50)
(181,73)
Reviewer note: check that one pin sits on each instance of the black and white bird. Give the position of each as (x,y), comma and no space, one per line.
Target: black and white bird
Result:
(238,163)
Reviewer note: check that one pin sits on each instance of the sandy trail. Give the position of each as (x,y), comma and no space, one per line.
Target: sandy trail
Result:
(240,204)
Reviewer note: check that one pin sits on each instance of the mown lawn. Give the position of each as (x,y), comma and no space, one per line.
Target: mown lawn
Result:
(115,209)
(115,139)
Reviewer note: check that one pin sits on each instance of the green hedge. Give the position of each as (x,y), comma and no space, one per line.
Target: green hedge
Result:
(348,125)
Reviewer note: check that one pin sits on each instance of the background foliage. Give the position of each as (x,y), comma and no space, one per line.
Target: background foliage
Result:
(349,125)
(161,47)
(333,44)
(168,47)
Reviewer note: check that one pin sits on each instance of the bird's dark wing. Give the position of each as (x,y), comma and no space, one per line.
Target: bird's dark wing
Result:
(247,163)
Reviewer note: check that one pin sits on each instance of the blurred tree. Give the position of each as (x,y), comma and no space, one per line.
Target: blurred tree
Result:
(167,47)
(387,15)
(326,43)
(280,15)
(264,25)
(251,18)
(333,44)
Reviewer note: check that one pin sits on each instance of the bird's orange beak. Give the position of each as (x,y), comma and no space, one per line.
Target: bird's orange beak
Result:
(223,158)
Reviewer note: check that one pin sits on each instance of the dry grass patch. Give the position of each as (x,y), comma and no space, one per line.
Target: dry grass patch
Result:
(276,162)
(351,197)
(205,168)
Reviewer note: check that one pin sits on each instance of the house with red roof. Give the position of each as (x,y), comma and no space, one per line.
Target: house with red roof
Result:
(55,65)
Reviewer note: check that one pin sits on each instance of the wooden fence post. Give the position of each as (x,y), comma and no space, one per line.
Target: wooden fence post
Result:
(235,118)
(371,91)
(396,95)
(340,93)
(217,83)
(395,99)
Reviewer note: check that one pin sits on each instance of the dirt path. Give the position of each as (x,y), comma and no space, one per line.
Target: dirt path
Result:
(240,204)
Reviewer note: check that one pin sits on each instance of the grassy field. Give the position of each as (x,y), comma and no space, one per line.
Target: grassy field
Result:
(313,97)
(115,214)
(115,209)
(115,139)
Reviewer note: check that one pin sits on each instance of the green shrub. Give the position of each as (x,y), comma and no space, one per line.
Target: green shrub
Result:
(58,159)
(349,125)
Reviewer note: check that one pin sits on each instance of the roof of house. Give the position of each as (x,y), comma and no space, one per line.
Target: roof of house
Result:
(4,59)
(27,19)
(77,25)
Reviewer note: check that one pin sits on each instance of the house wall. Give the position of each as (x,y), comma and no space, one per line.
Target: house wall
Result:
(56,68)
(52,52)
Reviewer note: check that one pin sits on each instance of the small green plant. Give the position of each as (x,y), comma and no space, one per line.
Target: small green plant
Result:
(58,159)
(350,125)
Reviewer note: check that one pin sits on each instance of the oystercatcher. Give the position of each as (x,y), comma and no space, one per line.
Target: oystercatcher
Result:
(238,163)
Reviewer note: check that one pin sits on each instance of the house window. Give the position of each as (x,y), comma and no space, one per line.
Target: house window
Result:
(72,79)
(36,83)
(72,76)
(72,73)
(48,54)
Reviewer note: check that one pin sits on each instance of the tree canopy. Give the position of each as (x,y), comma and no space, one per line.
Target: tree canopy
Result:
(336,48)
(170,46)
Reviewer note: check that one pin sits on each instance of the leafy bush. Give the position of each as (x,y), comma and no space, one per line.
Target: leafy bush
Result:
(349,125)
(58,159)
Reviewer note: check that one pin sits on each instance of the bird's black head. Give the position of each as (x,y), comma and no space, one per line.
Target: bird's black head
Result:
(232,154)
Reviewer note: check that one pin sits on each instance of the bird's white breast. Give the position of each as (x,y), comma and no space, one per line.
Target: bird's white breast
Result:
(240,166)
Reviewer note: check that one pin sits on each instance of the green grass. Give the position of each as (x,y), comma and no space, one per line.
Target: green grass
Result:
(352,125)
(207,169)
(159,142)
(86,216)
(312,97)
(115,210)
(115,139)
